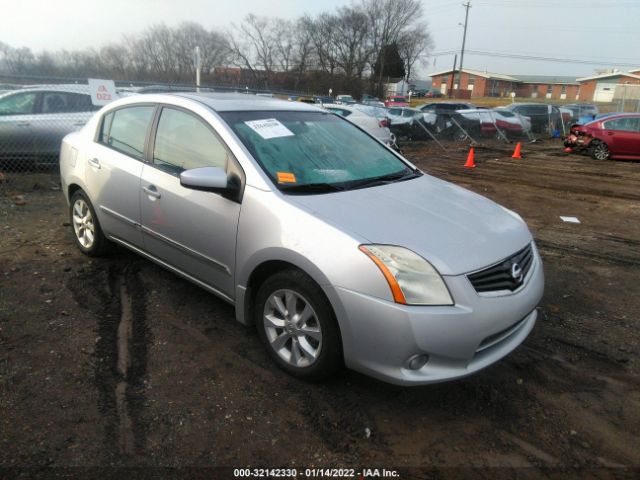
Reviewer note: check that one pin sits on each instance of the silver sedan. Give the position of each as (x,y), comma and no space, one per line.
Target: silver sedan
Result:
(334,246)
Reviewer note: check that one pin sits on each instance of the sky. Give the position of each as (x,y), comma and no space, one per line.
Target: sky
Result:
(602,31)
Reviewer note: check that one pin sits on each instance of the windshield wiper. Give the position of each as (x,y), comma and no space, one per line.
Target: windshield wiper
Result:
(385,179)
(311,188)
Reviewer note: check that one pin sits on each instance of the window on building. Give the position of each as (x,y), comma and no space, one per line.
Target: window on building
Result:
(549,89)
(472,80)
(564,90)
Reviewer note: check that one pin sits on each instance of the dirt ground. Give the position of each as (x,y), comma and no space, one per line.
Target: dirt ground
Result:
(199,390)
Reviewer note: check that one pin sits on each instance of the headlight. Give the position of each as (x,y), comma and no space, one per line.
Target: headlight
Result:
(413,280)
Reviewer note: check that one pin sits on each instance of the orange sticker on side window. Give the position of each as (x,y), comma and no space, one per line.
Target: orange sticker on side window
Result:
(286,177)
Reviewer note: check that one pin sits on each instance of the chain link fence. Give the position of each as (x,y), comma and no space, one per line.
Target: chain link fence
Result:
(37,112)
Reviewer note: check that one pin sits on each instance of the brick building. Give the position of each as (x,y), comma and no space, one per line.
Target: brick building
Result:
(480,84)
(545,86)
(487,84)
(601,88)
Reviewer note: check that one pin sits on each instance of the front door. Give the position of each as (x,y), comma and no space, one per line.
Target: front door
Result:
(193,231)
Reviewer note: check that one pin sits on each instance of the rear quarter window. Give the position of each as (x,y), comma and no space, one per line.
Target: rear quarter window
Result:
(125,130)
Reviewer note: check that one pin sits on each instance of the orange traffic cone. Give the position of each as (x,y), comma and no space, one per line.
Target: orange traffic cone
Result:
(470,163)
(516,152)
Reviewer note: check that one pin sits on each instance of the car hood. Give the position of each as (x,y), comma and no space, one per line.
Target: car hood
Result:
(455,229)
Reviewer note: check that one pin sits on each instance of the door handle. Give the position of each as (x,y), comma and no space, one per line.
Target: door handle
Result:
(610,133)
(152,191)
(80,124)
(23,124)
(94,162)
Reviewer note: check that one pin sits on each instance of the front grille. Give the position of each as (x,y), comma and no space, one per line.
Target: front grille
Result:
(503,275)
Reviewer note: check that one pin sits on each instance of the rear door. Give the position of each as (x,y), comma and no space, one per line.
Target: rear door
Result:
(622,135)
(59,113)
(193,231)
(114,166)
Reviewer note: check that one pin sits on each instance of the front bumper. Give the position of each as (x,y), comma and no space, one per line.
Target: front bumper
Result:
(379,337)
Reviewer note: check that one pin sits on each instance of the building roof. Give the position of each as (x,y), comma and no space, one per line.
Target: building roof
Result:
(547,79)
(609,75)
(477,73)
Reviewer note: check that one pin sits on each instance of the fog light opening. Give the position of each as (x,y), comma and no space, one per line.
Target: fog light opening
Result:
(416,362)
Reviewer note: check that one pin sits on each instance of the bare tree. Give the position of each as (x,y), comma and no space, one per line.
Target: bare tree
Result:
(322,32)
(350,40)
(19,60)
(253,45)
(414,46)
(387,20)
(283,34)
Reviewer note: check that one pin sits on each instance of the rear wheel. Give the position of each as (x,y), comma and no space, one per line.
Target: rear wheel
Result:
(86,228)
(297,326)
(600,151)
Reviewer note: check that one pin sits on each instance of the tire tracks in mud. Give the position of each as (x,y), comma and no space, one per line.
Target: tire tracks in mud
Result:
(114,293)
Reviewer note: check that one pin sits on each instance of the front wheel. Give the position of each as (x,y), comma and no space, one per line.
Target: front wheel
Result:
(297,325)
(600,151)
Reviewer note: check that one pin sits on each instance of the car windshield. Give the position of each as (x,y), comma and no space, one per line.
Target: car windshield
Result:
(315,152)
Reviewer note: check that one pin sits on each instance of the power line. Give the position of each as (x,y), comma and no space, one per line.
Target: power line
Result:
(609,61)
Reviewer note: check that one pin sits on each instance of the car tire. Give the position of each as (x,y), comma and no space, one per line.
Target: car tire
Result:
(600,151)
(85,226)
(305,344)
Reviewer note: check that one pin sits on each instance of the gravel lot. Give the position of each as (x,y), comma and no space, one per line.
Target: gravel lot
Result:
(200,391)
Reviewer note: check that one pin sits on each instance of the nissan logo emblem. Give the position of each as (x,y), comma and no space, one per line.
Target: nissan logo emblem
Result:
(516,272)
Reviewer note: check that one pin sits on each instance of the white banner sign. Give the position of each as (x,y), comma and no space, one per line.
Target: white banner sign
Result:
(102,91)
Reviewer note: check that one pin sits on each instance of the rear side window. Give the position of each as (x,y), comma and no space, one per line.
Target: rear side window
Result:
(623,124)
(340,111)
(183,141)
(125,130)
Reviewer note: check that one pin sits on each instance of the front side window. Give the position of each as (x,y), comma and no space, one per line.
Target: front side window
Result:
(183,141)
(314,151)
(125,129)
(18,104)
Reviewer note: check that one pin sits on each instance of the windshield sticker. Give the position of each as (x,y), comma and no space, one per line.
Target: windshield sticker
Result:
(286,177)
(269,128)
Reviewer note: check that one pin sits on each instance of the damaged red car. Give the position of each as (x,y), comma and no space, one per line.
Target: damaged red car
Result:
(614,136)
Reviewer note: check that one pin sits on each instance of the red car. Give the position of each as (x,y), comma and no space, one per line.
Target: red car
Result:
(612,136)
(396,101)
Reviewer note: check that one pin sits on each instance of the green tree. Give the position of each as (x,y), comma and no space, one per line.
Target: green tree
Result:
(389,62)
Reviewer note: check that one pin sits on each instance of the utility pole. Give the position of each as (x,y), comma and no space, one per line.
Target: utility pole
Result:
(466,6)
(453,74)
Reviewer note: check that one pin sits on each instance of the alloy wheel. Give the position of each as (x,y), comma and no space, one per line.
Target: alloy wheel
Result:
(292,328)
(601,151)
(83,223)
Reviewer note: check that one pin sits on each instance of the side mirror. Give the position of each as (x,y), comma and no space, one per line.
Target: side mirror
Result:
(211,179)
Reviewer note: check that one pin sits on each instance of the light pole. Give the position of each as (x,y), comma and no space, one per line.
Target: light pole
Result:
(197,60)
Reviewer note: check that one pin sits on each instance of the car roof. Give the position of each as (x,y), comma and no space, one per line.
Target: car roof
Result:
(68,88)
(618,115)
(233,102)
